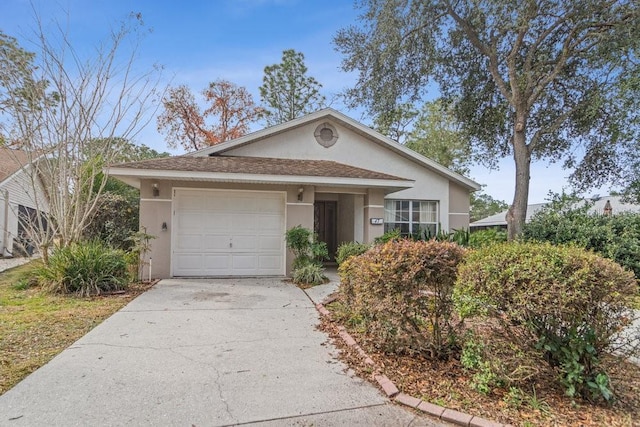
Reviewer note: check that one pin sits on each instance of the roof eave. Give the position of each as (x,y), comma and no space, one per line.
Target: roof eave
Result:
(134,176)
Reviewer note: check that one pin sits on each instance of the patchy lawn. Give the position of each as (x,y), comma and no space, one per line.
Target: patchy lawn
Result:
(35,326)
(447,384)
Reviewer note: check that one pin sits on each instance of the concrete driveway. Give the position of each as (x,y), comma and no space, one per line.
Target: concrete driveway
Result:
(203,353)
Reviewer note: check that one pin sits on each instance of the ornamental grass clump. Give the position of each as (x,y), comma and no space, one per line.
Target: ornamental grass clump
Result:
(556,305)
(399,295)
(84,269)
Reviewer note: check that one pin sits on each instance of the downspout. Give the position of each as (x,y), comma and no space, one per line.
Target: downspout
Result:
(5,224)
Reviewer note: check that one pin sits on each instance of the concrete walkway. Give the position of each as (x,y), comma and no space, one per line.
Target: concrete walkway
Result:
(204,353)
(7,263)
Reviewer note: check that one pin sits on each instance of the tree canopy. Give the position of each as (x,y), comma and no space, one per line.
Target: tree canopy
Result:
(287,92)
(538,79)
(437,135)
(228,114)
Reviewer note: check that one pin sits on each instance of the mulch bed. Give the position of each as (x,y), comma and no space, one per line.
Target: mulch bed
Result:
(446,383)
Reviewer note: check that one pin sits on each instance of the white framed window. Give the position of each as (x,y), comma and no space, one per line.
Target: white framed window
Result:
(411,217)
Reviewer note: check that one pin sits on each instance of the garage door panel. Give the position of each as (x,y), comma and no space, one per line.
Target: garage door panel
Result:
(215,221)
(270,243)
(245,262)
(188,262)
(245,243)
(189,242)
(271,223)
(216,264)
(192,201)
(243,223)
(188,220)
(270,262)
(206,222)
(216,242)
(271,204)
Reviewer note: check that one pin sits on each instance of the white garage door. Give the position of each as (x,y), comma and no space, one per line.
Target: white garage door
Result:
(228,233)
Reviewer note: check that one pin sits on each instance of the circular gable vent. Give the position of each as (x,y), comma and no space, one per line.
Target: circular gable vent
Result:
(326,135)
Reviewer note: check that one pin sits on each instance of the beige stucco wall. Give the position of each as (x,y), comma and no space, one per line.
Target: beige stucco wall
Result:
(355,149)
(459,202)
(373,208)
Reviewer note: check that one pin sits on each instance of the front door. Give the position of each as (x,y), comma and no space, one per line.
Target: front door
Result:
(325,225)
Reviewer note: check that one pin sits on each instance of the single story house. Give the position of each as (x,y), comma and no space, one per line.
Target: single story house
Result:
(224,210)
(22,195)
(606,205)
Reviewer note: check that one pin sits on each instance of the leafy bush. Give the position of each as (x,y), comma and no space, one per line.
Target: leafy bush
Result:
(388,236)
(310,274)
(558,302)
(461,236)
(114,220)
(400,292)
(309,254)
(566,221)
(305,247)
(88,268)
(481,238)
(349,249)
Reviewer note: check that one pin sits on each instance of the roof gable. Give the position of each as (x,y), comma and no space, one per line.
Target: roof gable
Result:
(343,120)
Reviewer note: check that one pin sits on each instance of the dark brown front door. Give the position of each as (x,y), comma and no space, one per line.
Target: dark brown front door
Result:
(325,219)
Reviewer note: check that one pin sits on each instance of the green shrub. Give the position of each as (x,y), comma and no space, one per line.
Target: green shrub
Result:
(305,247)
(310,274)
(401,293)
(87,268)
(114,220)
(567,221)
(558,302)
(349,249)
(461,236)
(388,236)
(481,238)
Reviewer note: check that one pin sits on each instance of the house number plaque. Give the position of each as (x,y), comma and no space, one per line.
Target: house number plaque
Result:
(376,221)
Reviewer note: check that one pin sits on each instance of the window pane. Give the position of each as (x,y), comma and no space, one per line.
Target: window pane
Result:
(404,229)
(389,211)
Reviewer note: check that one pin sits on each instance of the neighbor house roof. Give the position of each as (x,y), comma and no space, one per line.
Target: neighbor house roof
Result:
(616,203)
(12,161)
(254,169)
(329,113)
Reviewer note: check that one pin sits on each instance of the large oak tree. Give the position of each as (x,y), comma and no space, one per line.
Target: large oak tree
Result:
(532,79)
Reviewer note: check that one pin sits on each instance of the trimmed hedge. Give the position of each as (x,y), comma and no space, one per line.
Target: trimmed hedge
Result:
(399,293)
(558,302)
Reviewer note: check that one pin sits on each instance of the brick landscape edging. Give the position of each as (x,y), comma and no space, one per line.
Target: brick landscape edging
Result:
(390,389)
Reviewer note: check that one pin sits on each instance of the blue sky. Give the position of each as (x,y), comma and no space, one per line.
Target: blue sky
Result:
(200,41)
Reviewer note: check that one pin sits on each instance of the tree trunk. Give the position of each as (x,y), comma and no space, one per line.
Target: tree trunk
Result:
(517,212)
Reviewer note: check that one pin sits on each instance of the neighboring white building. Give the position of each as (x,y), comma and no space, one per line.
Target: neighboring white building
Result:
(612,204)
(21,196)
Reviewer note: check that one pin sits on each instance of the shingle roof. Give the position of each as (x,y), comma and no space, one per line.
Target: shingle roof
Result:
(11,161)
(257,165)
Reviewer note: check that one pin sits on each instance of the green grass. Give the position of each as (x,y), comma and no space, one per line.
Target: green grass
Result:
(35,326)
